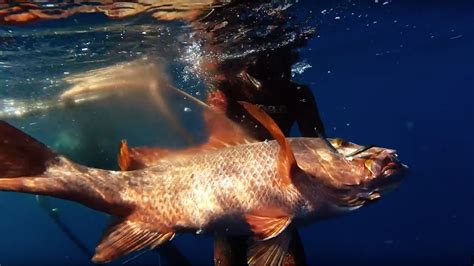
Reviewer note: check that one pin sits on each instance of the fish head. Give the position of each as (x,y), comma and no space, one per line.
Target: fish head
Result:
(376,169)
(353,176)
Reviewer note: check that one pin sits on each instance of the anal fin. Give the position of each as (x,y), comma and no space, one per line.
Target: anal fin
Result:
(128,236)
(266,226)
(269,252)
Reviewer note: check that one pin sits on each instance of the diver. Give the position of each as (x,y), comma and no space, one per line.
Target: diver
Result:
(266,82)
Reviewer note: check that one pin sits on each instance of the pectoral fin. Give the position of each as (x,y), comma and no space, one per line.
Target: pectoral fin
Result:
(267,227)
(128,236)
(270,252)
(287,165)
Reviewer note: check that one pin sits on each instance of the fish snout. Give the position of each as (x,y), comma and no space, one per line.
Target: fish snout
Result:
(385,164)
(387,171)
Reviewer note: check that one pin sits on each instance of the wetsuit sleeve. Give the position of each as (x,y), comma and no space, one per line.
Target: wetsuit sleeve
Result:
(307,113)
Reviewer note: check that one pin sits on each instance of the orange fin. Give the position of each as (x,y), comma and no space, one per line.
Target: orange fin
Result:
(267,227)
(145,157)
(141,157)
(223,132)
(20,154)
(127,236)
(270,252)
(138,158)
(123,157)
(286,159)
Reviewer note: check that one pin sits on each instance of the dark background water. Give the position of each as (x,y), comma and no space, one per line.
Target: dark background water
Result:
(403,82)
(398,75)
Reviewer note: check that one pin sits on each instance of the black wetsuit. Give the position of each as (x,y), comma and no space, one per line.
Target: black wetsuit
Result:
(293,103)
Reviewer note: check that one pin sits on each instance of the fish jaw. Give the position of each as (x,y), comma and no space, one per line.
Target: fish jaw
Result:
(387,173)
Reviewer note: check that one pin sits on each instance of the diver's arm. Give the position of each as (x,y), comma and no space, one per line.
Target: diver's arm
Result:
(307,113)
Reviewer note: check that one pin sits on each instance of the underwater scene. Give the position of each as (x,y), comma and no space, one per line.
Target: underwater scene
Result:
(236,132)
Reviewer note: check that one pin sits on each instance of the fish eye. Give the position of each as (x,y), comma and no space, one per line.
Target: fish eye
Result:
(338,142)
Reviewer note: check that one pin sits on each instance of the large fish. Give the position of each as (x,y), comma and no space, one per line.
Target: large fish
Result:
(230,185)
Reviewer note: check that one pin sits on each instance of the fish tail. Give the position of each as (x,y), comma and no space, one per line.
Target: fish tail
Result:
(28,166)
(24,162)
(21,157)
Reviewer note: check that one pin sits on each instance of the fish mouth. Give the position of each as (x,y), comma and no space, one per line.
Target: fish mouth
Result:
(393,168)
(384,174)
(387,172)
(386,184)
(385,164)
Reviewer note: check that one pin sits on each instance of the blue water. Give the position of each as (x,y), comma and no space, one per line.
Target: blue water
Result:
(398,75)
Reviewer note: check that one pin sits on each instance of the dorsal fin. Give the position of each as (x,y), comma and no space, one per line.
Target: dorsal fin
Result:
(286,159)
(138,158)
(123,157)
(127,236)
(223,132)
(141,157)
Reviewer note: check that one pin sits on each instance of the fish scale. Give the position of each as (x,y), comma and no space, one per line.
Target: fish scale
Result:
(200,188)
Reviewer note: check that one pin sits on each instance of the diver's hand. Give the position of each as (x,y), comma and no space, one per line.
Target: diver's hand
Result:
(217,101)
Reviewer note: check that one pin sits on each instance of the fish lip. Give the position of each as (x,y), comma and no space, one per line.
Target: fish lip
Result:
(385,176)
(393,167)
(388,164)
(390,176)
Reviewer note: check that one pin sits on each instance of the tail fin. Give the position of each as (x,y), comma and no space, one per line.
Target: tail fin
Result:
(23,160)
(20,154)
(28,166)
